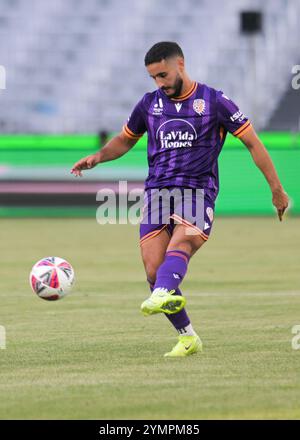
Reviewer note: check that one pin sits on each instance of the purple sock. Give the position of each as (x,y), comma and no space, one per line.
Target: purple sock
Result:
(178,320)
(173,269)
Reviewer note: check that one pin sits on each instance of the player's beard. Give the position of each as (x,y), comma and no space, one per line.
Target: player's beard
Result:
(177,88)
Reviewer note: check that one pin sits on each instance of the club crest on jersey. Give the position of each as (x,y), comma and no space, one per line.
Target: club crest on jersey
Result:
(199,106)
(210,213)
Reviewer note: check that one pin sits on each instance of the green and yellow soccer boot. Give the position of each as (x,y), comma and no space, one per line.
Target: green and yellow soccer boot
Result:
(163,301)
(186,346)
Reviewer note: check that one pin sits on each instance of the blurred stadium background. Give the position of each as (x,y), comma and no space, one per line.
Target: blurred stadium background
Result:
(73,71)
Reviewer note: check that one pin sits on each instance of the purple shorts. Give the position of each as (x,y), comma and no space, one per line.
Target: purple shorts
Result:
(164,208)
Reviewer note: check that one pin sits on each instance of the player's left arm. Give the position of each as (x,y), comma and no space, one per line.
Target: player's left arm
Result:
(264,162)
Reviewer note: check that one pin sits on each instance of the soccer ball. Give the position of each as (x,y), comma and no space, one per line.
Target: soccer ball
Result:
(51,278)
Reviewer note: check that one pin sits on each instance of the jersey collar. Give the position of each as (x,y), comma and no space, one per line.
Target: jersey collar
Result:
(187,94)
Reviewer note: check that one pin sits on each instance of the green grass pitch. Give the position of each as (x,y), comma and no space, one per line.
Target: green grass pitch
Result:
(93,355)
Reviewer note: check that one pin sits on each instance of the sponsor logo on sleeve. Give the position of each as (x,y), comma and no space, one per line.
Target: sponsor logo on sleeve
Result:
(237,116)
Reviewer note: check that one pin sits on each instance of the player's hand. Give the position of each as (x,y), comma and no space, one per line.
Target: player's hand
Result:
(85,164)
(280,201)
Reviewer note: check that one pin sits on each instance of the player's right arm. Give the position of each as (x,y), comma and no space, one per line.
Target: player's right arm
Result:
(118,145)
(115,148)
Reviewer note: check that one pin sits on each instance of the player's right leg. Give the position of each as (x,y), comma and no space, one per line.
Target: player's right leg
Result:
(153,249)
(154,238)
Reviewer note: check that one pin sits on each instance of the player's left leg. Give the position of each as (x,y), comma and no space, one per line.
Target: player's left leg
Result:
(155,233)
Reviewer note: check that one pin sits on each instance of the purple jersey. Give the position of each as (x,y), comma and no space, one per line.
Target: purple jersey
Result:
(185,135)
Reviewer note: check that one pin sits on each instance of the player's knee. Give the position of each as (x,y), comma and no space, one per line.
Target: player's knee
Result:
(193,243)
(151,270)
(196,244)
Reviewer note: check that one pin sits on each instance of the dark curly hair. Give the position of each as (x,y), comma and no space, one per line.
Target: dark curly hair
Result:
(161,51)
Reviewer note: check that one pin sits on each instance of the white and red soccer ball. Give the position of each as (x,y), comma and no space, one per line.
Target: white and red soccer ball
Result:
(51,278)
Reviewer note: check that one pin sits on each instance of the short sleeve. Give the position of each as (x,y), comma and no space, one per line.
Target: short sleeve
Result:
(231,117)
(135,127)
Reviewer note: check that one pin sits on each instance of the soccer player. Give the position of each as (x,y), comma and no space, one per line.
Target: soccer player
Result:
(186,123)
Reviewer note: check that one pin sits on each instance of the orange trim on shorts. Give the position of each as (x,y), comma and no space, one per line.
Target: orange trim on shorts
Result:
(151,234)
(186,223)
